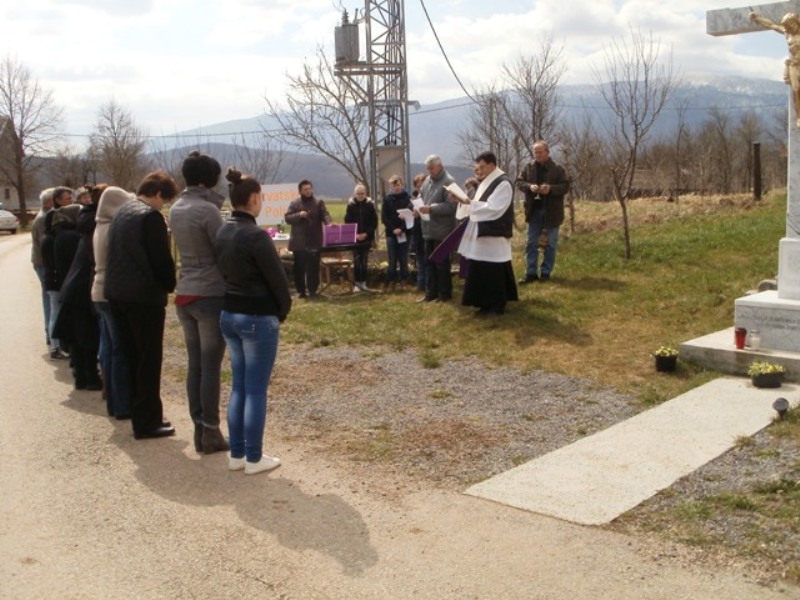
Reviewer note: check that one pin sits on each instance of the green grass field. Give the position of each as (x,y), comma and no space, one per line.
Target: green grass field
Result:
(601,316)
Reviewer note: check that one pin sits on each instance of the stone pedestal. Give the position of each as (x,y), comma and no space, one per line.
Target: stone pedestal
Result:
(778,319)
(789,269)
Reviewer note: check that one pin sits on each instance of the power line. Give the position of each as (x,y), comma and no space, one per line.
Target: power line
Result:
(447,60)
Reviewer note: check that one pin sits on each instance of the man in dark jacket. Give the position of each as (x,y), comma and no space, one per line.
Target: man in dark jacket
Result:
(37,235)
(139,275)
(306,215)
(62,196)
(545,184)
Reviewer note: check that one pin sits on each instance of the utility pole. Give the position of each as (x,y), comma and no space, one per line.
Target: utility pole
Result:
(380,82)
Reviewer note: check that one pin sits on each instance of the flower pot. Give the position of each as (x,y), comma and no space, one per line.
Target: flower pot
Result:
(767,380)
(666,364)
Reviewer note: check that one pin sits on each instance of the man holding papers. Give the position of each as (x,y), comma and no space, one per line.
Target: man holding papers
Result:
(487,239)
(438,215)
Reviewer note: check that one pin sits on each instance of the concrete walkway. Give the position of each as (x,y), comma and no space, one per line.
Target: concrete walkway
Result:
(598,478)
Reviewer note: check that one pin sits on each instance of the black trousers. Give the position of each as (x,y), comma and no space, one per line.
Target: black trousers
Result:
(85,346)
(439,283)
(141,333)
(306,271)
(361,263)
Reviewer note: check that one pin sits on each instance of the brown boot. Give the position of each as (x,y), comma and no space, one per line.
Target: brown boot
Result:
(213,440)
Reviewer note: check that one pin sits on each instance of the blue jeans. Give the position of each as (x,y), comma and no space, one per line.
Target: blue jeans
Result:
(535,229)
(205,347)
(439,282)
(253,345)
(397,255)
(422,263)
(55,308)
(45,301)
(113,364)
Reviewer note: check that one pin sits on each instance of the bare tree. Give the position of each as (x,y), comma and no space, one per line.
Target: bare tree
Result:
(636,86)
(681,142)
(748,131)
(169,156)
(120,145)
(72,168)
(776,154)
(259,157)
(490,127)
(583,160)
(324,115)
(510,116)
(533,81)
(717,138)
(29,120)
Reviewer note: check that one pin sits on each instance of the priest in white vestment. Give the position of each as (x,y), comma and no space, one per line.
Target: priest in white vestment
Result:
(486,244)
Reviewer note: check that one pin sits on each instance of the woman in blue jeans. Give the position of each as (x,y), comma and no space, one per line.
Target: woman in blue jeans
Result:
(256,300)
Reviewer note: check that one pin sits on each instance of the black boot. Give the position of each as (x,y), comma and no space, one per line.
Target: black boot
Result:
(213,440)
(198,438)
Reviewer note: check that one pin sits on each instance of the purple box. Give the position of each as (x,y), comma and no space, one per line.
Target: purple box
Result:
(339,235)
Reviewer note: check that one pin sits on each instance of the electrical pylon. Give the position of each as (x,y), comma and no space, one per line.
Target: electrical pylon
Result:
(381,83)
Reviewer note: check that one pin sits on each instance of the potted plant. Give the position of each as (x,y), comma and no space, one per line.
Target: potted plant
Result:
(766,374)
(666,357)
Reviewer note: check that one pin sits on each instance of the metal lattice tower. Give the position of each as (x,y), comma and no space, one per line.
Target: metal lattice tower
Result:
(381,83)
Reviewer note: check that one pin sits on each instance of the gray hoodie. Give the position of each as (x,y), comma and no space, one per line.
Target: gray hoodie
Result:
(194,220)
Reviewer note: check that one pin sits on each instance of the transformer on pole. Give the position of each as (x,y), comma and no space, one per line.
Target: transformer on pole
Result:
(381,83)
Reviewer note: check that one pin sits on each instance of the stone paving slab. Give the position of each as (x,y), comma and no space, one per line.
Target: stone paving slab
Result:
(600,477)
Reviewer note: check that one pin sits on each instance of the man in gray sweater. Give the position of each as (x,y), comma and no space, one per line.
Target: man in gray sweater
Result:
(438,220)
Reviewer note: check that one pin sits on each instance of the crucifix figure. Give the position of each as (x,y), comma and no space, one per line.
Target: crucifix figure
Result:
(790,28)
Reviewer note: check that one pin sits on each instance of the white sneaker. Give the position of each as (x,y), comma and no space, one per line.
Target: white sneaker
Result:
(235,464)
(267,463)
(356,288)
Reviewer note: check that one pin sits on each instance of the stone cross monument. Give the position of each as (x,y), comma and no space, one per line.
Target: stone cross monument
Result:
(775,314)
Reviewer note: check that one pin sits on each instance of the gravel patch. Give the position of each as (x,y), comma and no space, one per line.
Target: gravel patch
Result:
(453,425)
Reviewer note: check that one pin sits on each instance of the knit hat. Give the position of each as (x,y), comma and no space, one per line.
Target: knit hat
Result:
(80,192)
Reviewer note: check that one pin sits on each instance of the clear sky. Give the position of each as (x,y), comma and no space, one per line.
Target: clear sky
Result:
(181,64)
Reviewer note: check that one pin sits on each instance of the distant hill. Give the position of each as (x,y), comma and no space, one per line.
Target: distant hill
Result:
(434,128)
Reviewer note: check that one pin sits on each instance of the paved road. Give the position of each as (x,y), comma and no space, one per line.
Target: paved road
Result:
(87,512)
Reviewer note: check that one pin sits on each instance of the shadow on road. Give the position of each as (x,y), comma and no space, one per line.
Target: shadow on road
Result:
(320,522)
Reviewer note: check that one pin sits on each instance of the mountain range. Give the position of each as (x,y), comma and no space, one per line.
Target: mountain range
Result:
(434,128)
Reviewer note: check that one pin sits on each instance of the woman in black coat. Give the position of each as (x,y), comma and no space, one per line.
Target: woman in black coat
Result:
(361,211)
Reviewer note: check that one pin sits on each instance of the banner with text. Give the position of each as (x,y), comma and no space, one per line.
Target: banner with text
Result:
(275,199)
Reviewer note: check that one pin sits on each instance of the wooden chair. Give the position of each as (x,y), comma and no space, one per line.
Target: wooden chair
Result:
(336,271)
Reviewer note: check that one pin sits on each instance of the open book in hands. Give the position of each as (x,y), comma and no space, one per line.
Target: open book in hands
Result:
(456,190)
